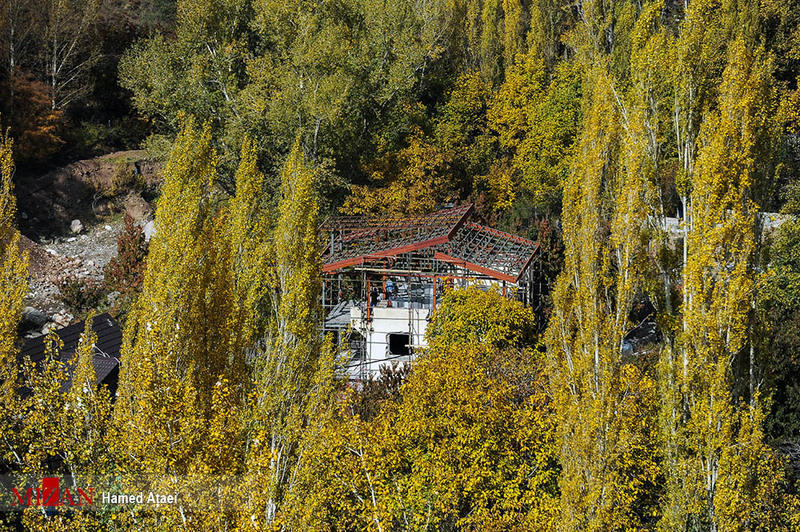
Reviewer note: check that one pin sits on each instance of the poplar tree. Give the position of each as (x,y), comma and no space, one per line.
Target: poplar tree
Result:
(217,314)
(176,353)
(289,373)
(716,456)
(13,283)
(184,378)
(248,235)
(605,407)
(87,411)
(605,403)
(65,422)
(13,287)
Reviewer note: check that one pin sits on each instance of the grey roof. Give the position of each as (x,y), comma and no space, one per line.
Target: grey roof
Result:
(339,316)
(107,349)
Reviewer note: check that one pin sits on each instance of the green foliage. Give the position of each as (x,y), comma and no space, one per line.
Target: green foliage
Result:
(81,295)
(157,147)
(330,72)
(462,130)
(334,74)
(537,120)
(779,310)
(91,138)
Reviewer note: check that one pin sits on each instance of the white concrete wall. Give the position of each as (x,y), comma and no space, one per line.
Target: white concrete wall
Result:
(385,321)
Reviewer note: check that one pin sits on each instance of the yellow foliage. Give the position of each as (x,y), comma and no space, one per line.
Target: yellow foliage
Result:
(170,349)
(721,475)
(605,407)
(13,288)
(414,181)
(13,268)
(473,316)
(289,369)
(469,446)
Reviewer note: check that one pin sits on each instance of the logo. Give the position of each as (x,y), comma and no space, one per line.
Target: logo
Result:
(50,495)
(91,493)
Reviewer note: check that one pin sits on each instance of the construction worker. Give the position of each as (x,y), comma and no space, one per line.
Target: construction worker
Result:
(389,284)
(373,297)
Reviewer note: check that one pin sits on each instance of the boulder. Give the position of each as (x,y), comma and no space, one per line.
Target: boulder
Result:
(76,226)
(149,230)
(62,319)
(32,319)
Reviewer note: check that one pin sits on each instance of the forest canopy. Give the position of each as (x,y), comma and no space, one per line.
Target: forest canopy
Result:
(648,146)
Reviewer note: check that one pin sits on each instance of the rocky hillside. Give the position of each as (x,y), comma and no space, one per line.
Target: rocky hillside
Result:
(71,218)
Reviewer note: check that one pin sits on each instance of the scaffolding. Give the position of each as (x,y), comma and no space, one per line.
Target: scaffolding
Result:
(410,261)
(359,239)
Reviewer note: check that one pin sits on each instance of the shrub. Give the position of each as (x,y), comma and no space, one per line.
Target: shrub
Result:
(81,295)
(374,392)
(125,177)
(125,272)
(157,147)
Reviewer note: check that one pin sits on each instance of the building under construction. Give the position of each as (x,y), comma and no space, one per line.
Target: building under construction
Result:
(383,276)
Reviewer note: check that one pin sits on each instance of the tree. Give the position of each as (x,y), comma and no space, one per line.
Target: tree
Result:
(289,370)
(548,24)
(432,163)
(13,287)
(605,405)
(68,413)
(461,130)
(537,115)
(248,235)
(16,33)
(125,272)
(468,443)
(715,447)
(38,127)
(606,402)
(182,408)
(414,180)
(68,49)
(175,350)
(474,316)
(779,307)
(277,70)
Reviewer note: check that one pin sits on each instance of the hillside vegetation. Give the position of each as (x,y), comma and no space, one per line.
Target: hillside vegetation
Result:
(646,144)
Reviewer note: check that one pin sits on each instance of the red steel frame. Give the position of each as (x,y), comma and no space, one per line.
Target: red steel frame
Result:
(354,240)
(489,251)
(403,235)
